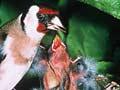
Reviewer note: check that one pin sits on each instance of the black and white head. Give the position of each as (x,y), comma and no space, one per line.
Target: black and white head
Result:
(38,20)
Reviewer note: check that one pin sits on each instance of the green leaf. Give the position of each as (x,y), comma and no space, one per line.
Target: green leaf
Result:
(63,3)
(109,6)
(7,13)
(104,66)
(86,38)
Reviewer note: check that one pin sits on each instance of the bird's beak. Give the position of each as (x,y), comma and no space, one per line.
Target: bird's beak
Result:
(56,24)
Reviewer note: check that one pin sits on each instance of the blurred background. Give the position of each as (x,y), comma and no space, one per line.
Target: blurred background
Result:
(93,29)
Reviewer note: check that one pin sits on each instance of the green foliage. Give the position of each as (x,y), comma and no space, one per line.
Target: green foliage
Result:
(86,38)
(104,66)
(109,6)
(7,13)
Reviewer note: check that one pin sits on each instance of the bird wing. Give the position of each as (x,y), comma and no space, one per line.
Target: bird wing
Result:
(11,73)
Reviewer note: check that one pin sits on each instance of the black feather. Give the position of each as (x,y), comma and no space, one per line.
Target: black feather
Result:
(2,56)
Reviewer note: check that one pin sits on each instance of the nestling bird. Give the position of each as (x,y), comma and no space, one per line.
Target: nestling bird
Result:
(19,40)
(81,75)
(58,65)
(59,72)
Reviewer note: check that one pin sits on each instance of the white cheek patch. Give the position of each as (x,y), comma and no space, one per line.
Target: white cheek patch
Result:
(33,9)
(31,20)
(31,24)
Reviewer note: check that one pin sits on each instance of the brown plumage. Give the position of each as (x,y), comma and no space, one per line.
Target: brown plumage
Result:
(18,45)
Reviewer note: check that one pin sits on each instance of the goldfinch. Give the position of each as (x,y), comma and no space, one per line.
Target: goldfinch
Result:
(19,40)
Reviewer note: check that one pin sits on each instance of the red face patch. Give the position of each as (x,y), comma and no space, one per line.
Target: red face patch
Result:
(48,11)
(41,28)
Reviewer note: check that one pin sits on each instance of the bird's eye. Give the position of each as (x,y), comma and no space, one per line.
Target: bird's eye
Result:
(43,18)
(40,16)
(78,64)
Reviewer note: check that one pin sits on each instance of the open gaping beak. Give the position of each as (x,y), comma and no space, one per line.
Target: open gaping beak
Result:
(56,24)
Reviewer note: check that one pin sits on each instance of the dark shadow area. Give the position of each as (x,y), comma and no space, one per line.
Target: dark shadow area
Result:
(28,84)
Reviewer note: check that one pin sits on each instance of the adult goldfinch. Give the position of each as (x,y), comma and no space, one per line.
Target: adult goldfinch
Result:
(19,40)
